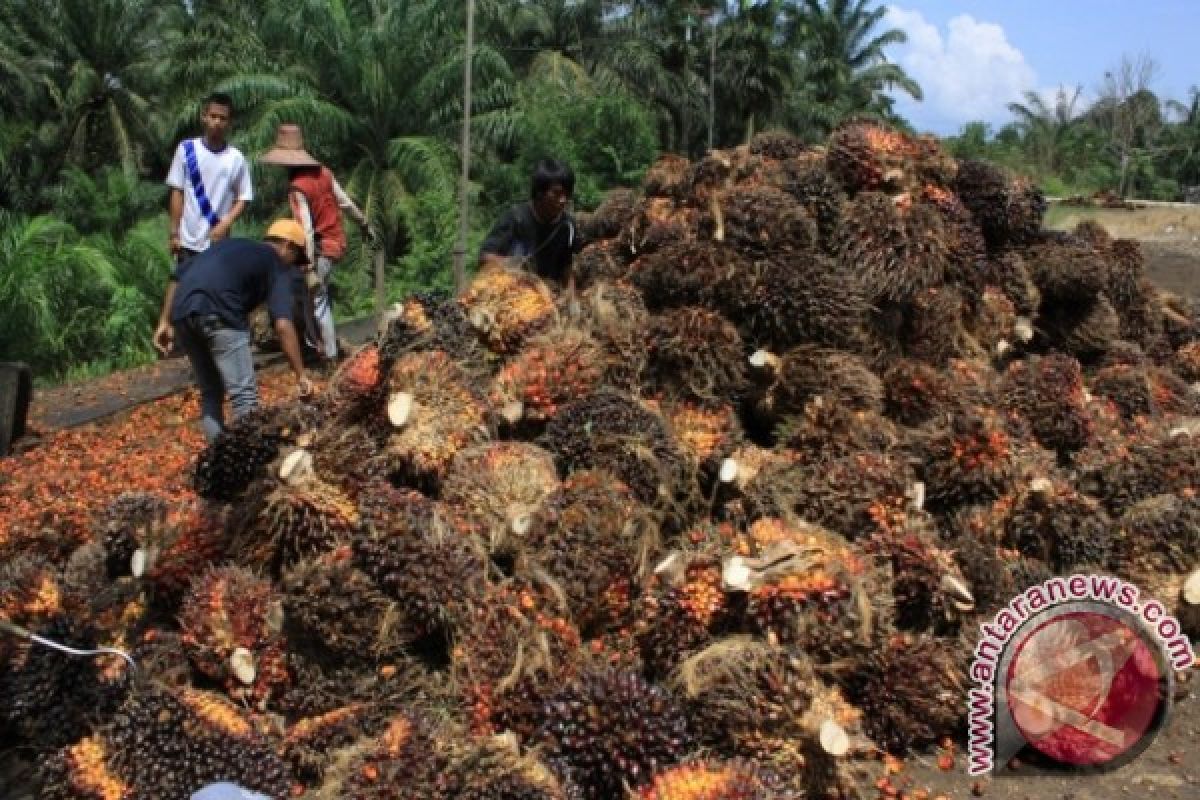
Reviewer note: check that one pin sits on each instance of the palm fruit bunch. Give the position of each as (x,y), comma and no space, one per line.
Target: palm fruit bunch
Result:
(198,538)
(974,458)
(683,607)
(1048,391)
(550,371)
(658,223)
(695,353)
(1009,272)
(1066,270)
(611,216)
(596,546)
(1142,391)
(506,307)
(915,392)
(911,691)
(495,769)
(667,177)
(501,488)
(896,247)
(1086,332)
(716,780)
(50,696)
(789,299)
(240,454)
(777,144)
(838,494)
(616,316)
(347,457)
(785,384)
(601,261)
(292,518)
(405,761)
(818,193)
(968,250)
(419,555)
(825,432)
(125,524)
(614,431)
(1124,472)
(929,590)
(1009,210)
(806,587)
(707,436)
(1054,523)
(765,703)
(232,628)
(1156,540)
(355,387)
(166,744)
(935,330)
(865,156)
(610,729)
(996,327)
(687,272)
(338,609)
(429,321)
(433,412)
(514,648)
(759,219)
(307,742)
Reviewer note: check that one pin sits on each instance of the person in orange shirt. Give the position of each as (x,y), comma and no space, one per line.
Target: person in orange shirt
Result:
(317,200)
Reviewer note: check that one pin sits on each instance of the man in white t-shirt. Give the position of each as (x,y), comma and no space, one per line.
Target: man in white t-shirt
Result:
(210,183)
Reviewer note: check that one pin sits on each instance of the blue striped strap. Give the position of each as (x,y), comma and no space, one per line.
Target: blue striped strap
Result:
(193,171)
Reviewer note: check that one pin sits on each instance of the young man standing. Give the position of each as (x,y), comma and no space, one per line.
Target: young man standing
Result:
(540,235)
(207,305)
(317,200)
(210,183)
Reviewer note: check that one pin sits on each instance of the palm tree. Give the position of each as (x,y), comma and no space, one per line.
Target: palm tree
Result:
(1047,130)
(756,58)
(94,68)
(844,70)
(377,88)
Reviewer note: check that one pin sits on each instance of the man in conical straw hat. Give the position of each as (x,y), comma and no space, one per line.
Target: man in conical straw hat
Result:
(317,200)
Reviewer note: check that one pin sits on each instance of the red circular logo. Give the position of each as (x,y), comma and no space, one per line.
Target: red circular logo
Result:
(1083,688)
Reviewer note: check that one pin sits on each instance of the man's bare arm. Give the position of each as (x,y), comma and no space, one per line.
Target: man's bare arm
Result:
(174,215)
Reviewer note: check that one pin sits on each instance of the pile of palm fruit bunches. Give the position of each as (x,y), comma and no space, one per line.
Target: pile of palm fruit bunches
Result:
(726,530)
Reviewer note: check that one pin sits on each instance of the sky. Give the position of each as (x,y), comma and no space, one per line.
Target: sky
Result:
(973,57)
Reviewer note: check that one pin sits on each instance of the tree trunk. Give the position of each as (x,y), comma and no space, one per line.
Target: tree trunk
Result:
(1124,174)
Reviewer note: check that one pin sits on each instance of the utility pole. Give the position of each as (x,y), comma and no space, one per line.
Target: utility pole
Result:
(687,74)
(712,80)
(460,247)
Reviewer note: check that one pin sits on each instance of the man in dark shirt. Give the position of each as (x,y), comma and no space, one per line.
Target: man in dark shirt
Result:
(207,308)
(541,235)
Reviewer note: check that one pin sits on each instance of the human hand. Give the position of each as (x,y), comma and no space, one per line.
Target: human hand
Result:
(219,231)
(173,243)
(164,337)
(304,386)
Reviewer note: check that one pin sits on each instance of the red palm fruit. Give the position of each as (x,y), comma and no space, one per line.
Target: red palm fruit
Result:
(682,609)
(715,780)
(866,156)
(231,624)
(433,413)
(550,371)
(507,306)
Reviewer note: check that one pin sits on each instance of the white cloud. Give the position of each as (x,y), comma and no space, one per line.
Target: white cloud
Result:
(970,72)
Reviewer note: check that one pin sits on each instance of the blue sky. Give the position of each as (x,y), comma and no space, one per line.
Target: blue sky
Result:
(972,57)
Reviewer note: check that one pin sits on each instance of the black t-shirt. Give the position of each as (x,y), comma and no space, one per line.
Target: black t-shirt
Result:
(231,278)
(518,233)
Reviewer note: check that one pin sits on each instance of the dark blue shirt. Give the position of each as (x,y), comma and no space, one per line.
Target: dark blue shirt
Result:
(230,279)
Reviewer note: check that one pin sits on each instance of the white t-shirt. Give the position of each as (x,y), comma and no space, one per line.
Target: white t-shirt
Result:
(225,178)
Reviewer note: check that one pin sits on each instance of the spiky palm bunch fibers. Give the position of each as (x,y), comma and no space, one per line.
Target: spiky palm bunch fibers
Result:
(897,247)
(1008,210)
(866,156)
(695,353)
(1049,392)
(240,454)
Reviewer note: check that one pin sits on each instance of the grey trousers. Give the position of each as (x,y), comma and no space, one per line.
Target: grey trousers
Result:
(323,310)
(222,363)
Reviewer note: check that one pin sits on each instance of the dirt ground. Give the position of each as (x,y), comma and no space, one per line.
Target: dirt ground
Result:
(1170,767)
